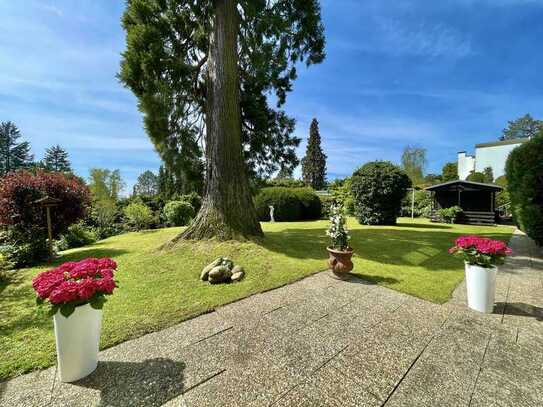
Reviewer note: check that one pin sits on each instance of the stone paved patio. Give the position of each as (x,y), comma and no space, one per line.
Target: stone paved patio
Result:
(324,342)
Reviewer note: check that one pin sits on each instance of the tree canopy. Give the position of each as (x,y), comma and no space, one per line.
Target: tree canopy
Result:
(165,65)
(449,172)
(56,159)
(414,163)
(146,185)
(523,127)
(14,155)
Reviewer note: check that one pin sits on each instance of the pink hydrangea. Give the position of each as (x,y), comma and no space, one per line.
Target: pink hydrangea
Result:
(76,281)
(481,250)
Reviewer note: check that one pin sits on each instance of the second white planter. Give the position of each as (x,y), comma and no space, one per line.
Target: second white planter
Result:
(481,287)
(78,339)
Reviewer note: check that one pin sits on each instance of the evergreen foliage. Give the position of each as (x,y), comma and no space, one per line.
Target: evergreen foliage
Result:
(378,189)
(56,159)
(165,65)
(476,176)
(314,162)
(523,127)
(449,172)
(524,171)
(290,204)
(14,155)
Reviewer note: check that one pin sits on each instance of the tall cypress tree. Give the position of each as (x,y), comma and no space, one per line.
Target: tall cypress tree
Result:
(13,155)
(56,159)
(314,162)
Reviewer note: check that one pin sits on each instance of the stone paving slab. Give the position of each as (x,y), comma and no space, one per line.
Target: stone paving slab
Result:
(326,342)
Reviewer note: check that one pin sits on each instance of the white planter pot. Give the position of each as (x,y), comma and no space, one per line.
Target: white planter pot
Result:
(78,339)
(481,287)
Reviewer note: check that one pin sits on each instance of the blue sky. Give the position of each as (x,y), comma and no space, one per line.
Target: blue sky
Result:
(443,75)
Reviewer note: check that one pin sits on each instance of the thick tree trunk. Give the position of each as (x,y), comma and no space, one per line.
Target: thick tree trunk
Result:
(227,211)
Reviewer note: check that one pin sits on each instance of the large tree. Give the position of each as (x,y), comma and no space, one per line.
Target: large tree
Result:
(523,127)
(14,155)
(414,163)
(56,159)
(205,68)
(314,162)
(147,184)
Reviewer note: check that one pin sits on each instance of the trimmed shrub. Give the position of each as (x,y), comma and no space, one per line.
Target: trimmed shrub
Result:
(290,204)
(524,170)
(24,242)
(77,235)
(378,188)
(450,215)
(285,182)
(178,213)
(138,216)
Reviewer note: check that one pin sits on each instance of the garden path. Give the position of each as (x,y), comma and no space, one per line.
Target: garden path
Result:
(324,342)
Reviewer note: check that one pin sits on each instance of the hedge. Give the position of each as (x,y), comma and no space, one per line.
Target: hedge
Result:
(524,171)
(290,204)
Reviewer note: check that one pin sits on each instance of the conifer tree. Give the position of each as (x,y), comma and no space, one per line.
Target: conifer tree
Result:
(14,155)
(314,162)
(56,159)
(205,70)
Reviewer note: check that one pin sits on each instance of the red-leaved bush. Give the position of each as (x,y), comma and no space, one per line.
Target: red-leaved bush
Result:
(76,283)
(19,190)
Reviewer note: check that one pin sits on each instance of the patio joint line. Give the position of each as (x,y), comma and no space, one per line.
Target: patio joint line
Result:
(480,370)
(204,381)
(416,360)
(210,336)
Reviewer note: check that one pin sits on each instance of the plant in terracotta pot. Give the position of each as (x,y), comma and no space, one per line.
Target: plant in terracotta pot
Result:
(339,251)
(76,293)
(481,257)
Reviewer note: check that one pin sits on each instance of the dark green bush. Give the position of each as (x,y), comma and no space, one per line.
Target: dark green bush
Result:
(22,248)
(524,170)
(178,213)
(450,215)
(378,188)
(77,235)
(193,199)
(290,204)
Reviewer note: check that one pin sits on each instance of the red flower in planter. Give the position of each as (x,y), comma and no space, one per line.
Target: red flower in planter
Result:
(76,283)
(481,251)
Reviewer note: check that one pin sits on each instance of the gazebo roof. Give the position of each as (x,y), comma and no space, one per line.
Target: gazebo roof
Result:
(460,185)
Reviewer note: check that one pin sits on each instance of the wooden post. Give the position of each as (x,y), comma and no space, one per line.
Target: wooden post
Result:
(459,198)
(413,203)
(50,233)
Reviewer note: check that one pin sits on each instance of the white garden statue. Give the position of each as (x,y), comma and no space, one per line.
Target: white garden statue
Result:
(272,219)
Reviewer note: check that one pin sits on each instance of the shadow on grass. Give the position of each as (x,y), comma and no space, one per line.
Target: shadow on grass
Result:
(423,226)
(89,251)
(386,245)
(152,382)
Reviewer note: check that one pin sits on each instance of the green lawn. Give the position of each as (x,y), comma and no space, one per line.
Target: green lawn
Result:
(159,289)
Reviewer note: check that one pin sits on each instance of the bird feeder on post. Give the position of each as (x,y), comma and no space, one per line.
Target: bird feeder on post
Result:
(48,202)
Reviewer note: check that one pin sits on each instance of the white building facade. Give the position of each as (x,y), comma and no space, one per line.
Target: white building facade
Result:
(493,155)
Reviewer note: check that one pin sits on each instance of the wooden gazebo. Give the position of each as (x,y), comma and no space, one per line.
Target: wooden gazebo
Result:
(478,200)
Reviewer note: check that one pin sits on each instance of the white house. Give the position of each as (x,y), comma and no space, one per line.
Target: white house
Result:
(493,155)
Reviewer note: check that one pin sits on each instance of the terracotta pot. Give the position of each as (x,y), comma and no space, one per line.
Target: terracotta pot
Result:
(340,261)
